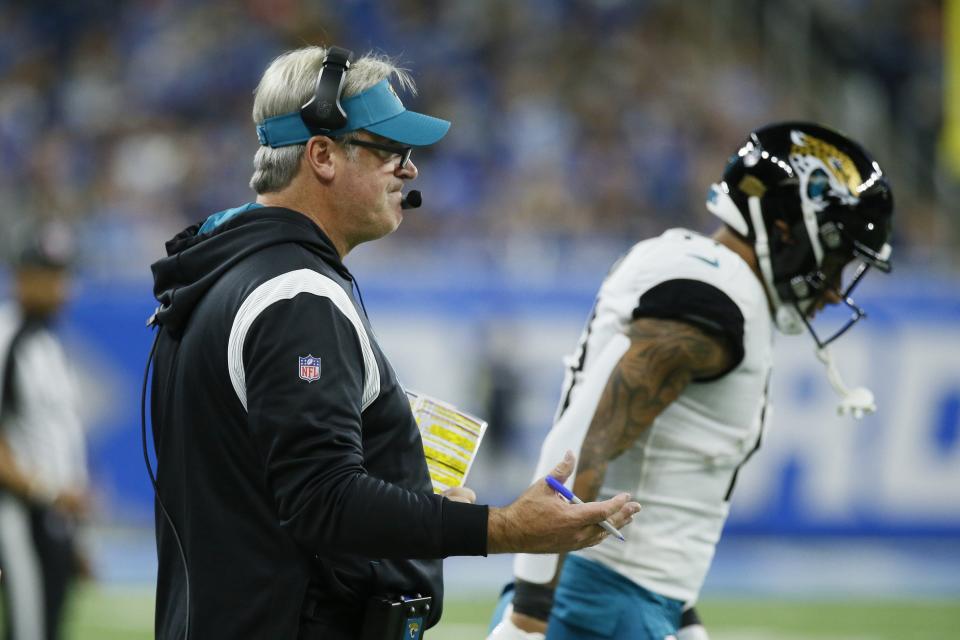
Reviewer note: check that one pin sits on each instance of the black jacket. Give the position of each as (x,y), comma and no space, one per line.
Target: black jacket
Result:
(297,497)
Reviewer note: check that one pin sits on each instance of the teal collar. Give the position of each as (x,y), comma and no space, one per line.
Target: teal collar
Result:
(220,217)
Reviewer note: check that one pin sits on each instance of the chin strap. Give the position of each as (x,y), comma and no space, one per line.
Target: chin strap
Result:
(857,402)
(786,317)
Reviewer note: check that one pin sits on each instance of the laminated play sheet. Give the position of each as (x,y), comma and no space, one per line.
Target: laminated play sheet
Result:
(451,439)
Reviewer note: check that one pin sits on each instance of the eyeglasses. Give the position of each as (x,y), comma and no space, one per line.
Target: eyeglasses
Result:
(396,149)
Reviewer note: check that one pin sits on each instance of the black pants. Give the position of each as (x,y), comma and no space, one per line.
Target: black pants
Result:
(38,561)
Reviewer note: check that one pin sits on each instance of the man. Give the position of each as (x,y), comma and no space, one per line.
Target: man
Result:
(43,473)
(667,394)
(290,468)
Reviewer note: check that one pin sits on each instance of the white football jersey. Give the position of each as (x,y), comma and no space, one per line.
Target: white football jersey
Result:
(682,469)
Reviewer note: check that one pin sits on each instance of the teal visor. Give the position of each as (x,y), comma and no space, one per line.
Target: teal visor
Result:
(377,110)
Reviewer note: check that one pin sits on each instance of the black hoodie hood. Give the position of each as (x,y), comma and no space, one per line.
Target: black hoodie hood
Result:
(196,261)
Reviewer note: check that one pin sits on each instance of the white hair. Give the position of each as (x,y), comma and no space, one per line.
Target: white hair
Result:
(287,84)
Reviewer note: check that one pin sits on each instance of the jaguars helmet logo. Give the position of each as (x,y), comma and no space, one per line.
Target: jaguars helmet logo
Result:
(823,171)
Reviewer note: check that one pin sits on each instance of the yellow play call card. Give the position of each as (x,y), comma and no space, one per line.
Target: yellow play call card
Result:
(451,439)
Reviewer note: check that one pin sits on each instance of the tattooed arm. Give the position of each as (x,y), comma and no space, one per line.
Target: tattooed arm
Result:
(663,358)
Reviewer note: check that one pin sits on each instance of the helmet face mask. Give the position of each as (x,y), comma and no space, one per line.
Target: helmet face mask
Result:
(833,283)
(810,201)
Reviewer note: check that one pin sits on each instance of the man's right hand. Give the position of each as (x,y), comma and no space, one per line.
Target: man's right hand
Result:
(540,521)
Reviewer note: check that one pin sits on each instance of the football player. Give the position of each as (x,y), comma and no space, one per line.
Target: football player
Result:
(667,394)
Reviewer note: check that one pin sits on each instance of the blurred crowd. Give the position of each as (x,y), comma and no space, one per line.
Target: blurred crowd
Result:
(571,118)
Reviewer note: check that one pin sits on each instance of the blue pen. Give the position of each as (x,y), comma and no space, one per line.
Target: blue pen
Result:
(558,486)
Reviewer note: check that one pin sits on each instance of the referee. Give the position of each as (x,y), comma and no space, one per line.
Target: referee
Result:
(43,473)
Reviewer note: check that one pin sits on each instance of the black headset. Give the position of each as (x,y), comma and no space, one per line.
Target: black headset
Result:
(323,112)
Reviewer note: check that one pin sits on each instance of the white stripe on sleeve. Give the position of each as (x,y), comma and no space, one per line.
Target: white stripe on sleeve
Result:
(285,287)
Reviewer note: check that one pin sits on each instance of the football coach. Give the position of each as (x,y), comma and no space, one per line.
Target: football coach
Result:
(293,499)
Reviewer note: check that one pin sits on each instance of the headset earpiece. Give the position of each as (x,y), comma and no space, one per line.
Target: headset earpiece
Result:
(323,113)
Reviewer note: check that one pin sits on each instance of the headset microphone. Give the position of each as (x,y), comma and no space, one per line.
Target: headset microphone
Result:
(411,201)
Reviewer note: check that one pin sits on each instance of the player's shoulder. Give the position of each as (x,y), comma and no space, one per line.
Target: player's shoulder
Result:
(682,254)
(688,252)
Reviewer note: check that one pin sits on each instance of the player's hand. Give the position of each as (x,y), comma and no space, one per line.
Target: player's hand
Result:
(527,623)
(516,626)
(83,566)
(75,504)
(460,494)
(540,521)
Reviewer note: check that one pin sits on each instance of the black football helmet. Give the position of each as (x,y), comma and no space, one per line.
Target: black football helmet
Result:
(810,201)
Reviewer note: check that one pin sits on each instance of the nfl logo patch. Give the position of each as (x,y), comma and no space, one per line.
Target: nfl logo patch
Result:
(309,368)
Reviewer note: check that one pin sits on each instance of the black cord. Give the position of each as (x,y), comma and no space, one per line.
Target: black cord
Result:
(153,479)
(356,285)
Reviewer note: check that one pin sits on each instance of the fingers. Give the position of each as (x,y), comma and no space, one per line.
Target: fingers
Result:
(613,505)
(565,467)
(624,516)
(608,508)
(625,509)
(527,624)
(593,536)
(461,494)
(618,510)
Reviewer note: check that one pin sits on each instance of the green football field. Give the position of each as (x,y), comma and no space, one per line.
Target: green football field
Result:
(127,614)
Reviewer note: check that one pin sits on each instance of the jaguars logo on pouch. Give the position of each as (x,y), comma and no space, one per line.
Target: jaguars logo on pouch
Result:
(413,629)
